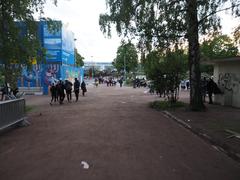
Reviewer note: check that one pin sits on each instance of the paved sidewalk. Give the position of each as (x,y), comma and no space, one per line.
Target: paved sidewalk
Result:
(218,124)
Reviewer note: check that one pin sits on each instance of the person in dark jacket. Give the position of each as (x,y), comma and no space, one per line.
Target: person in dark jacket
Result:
(83,87)
(60,91)
(76,87)
(210,88)
(120,82)
(53,90)
(68,88)
(204,88)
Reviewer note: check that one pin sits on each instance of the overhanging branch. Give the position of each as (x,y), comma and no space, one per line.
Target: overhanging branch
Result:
(215,12)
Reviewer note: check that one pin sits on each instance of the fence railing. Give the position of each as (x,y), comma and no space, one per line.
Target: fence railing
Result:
(11,112)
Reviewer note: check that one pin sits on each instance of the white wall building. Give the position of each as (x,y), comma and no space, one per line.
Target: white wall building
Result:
(227,76)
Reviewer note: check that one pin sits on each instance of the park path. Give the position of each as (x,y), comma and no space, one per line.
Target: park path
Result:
(113,131)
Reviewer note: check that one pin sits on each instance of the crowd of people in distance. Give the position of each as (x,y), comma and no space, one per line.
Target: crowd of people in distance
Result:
(58,90)
(139,83)
(109,81)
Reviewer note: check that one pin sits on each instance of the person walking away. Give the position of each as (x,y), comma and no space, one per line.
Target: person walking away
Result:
(120,82)
(53,90)
(76,86)
(83,87)
(68,86)
(188,84)
(60,91)
(204,88)
(210,88)
(96,82)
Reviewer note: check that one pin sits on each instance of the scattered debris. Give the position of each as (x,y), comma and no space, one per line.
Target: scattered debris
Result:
(85,165)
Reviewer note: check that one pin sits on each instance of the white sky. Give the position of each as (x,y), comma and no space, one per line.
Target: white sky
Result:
(82,17)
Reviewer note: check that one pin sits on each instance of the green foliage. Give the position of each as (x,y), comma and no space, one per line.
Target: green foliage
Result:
(236,35)
(166,70)
(216,47)
(129,82)
(78,59)
(162,24)
(19,42)
(128,53)
(220,46)
(166,105)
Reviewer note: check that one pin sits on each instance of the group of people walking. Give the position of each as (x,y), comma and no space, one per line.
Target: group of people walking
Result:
(58,90)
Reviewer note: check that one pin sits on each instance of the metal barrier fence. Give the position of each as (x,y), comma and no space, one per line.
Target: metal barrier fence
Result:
(11,112)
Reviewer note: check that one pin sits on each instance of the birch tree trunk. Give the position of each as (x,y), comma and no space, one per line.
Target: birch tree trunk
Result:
(196,102)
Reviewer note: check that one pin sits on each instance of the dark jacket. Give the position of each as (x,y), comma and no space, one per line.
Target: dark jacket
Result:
(83,86)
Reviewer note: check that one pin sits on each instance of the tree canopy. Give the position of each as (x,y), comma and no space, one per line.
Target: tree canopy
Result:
(78,59)
(163,24)
(166,70)
(126,54)
(236,35)
(219,46)
(19,42)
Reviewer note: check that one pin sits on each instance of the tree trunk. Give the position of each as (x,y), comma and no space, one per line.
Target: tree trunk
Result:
(196,103)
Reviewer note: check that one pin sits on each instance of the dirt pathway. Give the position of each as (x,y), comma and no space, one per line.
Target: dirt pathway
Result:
(114,132)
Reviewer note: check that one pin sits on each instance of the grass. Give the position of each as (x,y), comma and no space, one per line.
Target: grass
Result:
(224,125)
(166,105)
(29,108)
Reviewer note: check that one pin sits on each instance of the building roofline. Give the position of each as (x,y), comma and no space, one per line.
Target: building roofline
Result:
(222,60)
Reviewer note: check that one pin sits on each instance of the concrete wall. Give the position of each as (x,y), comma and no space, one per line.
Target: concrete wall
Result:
(227,76)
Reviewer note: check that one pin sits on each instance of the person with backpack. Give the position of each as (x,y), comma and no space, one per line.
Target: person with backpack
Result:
(68,88)
(60,91)
(76,87)
(83,87)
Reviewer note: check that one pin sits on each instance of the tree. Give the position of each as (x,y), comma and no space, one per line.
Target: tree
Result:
(166,70)
(217,46)
(236,35)
(78,59)
(161,23)
(126,55)
(19,42)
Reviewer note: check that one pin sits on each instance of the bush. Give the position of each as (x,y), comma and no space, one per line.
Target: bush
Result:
(129,82)
(164,105)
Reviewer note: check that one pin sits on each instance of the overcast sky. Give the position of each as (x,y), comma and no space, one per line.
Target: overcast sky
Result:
(81,17)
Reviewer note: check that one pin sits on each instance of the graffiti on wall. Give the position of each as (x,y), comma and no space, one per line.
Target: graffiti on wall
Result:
(32,77)
(50,75)
(229,82)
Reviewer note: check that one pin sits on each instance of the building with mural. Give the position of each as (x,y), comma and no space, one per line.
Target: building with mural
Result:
(227,76)
(60,61)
